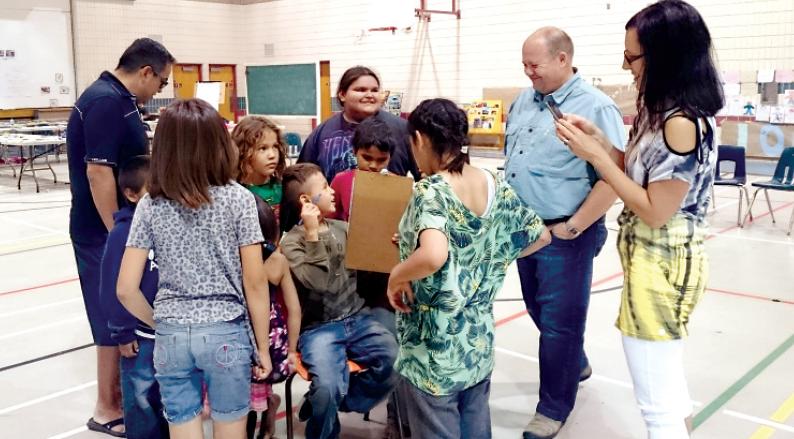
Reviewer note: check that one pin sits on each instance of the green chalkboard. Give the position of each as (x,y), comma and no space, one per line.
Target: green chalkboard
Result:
(286,90)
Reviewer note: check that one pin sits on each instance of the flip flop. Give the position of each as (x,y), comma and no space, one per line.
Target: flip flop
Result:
(106,428)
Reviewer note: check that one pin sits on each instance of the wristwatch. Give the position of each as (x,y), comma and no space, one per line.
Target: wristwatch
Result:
(572,230)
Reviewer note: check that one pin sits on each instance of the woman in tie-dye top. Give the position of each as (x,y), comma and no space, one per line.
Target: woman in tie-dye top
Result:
(669,167)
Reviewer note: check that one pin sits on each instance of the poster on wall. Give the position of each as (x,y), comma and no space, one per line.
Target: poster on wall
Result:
(777,115)
(765,76)
(10,53)
(784,76)
(788,98)
(762,115)
(789,115)
(731,77)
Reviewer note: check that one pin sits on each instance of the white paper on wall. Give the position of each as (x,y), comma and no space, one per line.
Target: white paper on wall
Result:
(735,105)
(777,115)
(731,77)
(762,113)
(732,89)
(766,76)
(789,115)
(210,92)
(788,98)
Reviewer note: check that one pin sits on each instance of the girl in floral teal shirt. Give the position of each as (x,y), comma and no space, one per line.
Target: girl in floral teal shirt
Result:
(463,227)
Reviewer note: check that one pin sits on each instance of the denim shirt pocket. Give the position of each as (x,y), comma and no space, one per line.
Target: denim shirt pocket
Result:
(522,143)
(556,160)
(510,139)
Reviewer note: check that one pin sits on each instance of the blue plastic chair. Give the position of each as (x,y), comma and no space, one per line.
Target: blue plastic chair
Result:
(294,144)
(783,180)
(736,155)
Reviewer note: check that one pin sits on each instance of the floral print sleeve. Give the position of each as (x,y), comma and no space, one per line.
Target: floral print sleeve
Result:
(446,342)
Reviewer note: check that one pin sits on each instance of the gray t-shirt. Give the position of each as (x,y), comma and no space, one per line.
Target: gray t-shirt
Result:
(198,253)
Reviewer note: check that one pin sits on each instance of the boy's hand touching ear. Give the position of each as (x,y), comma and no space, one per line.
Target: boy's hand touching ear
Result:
(310,215)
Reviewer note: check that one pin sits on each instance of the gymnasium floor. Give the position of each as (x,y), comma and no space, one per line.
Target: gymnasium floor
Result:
(738,359)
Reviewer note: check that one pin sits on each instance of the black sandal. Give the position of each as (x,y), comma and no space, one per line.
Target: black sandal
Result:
(106,428)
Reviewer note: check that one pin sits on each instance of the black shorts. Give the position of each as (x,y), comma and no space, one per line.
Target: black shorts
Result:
(89,263)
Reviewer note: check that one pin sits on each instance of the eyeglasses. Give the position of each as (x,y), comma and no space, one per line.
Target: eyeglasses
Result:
(163,82)
(630,59)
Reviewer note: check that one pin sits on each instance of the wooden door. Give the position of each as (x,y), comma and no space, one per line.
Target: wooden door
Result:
(185,78)
(226,74)
(325,90)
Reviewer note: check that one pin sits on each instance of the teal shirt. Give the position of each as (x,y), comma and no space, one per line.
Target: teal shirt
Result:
(447,341)
(544,172)
(270,191)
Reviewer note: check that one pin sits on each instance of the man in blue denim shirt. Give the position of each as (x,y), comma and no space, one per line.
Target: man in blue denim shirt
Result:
(567,193)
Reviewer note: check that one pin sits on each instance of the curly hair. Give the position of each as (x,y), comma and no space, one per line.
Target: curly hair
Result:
(246,136)
(447,128)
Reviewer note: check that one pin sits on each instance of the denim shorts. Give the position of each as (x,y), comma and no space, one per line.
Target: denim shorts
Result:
(186,356)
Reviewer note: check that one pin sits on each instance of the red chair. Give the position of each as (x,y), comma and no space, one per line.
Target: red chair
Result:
(304,373)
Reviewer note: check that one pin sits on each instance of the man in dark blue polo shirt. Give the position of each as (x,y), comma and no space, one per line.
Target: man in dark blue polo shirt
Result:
(105,129)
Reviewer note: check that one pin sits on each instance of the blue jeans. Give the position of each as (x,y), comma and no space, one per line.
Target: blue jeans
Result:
(218,354)
(555,282)
(325,350)
(463,414)
(143,407)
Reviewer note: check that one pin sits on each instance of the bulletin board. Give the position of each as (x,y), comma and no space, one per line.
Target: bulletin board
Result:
(485,117)
(283,90)
(37,63)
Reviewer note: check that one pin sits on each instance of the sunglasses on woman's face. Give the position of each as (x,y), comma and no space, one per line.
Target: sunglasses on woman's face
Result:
(631,58)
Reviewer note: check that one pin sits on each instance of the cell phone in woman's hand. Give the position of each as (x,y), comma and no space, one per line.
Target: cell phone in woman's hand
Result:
(555,110)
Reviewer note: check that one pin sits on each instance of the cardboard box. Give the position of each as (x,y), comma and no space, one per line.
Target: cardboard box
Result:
(377,206)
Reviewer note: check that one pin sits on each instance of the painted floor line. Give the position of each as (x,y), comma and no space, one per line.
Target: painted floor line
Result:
(758,420)
(781,415)
(35,226)
(747,238)
(60,282)
(741,383)
(40,307)
(36,245)
(47,397)
(749,221)
(40,328)
(750,296)
(27,238)
(69,433)
(618,383)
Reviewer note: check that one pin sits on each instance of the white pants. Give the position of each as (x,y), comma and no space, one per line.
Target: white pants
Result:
(657,369)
